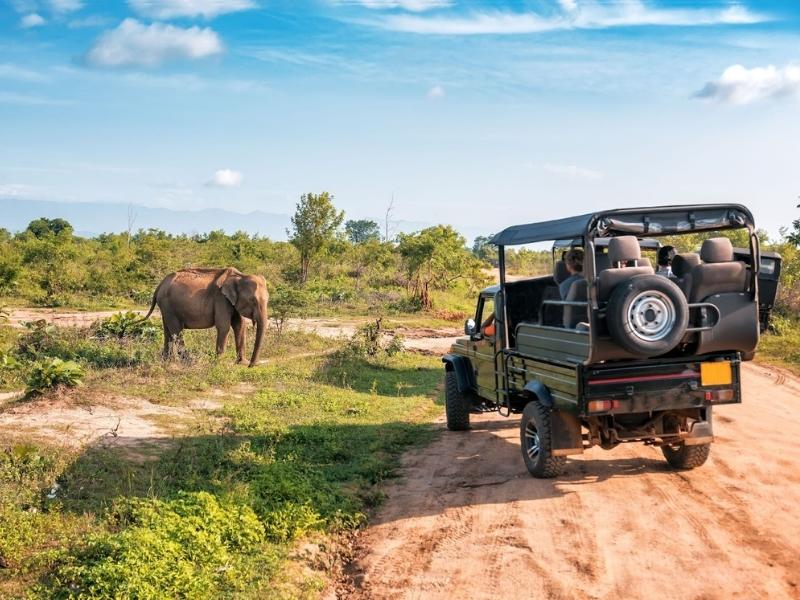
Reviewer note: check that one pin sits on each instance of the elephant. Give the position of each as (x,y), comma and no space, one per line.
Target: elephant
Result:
(202,298)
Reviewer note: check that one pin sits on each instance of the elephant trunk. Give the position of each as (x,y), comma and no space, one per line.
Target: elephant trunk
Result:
(261,329)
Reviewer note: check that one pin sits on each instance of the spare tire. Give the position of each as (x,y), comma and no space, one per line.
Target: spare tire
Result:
(647,315)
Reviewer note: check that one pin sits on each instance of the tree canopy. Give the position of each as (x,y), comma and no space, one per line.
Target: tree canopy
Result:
(362,230)
(314,226)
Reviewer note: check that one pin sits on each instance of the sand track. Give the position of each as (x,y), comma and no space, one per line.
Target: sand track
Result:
(466,520)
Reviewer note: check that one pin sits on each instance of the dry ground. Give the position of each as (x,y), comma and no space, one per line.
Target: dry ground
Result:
(467,521)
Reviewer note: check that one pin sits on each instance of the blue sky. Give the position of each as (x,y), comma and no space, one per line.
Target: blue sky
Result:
(475,113)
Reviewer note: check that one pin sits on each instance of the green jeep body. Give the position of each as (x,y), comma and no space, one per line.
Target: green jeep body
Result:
(583,385)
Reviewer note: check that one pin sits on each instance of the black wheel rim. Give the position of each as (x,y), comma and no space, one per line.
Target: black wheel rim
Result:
(532,444)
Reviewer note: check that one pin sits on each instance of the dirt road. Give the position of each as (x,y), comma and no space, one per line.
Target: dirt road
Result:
(466,520)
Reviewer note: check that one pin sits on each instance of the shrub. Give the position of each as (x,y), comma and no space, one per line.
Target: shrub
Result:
(126,325)
(191,547)
(43,340)
(52,372)
(369,341)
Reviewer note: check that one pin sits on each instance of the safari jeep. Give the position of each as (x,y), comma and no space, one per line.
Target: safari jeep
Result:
(626,355)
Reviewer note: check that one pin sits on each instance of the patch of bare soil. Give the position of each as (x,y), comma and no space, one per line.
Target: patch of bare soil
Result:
(118,421)
(64,318)
(467,521)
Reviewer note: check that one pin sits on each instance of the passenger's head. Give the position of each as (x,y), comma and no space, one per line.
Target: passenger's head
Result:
(665,256)
(574,260)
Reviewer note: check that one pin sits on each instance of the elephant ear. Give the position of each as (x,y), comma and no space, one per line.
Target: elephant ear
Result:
(229,286)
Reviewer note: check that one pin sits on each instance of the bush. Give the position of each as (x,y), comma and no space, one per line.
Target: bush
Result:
(53,372)
(370,341)
(191,547)
(126,325)
(43,340)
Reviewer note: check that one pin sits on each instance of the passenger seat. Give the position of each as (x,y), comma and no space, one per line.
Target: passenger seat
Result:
(719,273)
(682,265)
(621,251)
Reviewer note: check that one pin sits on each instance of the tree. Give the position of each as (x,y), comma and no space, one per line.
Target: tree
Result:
(483,249)
(43,227)
(793,236)
(314,226)
(362,230)
(435,258)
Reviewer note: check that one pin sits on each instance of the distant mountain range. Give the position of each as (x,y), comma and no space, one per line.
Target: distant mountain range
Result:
(91,219)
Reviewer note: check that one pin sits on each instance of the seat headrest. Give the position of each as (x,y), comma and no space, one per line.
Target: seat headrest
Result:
(716,250)
(560,272)
(623,249)
(682,264)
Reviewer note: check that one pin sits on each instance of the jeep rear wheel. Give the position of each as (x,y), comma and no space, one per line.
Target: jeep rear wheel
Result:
(456,404)
(535,435)
(685,457)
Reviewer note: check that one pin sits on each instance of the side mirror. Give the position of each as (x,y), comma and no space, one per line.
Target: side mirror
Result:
(470,328)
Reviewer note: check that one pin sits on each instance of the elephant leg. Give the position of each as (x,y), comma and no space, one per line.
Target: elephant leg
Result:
(173,337)
(239,335)
(222,338)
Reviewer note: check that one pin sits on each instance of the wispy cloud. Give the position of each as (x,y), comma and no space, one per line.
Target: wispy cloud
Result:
(436,92)
(410,5)
(226,178)
(740,85)
(572,15)
(88,22)
(171,9)
(572,171)
(31,20)
(10,71)
(65,6)
(31,100)
(135,44)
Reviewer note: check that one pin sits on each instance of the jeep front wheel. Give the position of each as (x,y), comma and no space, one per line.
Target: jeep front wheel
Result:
(456,404)
(686,457)
(535,435)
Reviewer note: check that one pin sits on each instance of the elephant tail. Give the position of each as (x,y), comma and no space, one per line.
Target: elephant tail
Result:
(152,304)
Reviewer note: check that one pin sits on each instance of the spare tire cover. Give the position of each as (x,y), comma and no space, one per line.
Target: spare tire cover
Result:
(647,315)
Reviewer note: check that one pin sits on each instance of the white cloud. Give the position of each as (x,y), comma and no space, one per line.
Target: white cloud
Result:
(574,15)
(133,43)
(572,171)
(436,92)
(65,6)
(16,190)
(226,178)
(410,5)
(170,9)
(740,85)
(31,20)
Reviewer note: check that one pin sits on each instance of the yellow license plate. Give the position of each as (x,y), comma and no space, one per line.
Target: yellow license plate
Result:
(716,373)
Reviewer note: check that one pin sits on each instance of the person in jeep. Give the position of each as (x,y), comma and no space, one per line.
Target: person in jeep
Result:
(573,260)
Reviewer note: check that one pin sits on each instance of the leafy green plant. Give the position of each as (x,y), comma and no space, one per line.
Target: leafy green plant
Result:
(370,341)
(52,372)
(194,546)
(126,325)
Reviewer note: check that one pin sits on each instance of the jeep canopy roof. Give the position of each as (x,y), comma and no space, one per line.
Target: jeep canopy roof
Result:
(655,221)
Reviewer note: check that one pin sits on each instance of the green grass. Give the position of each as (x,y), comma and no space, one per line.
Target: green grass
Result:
(297,449)
(781,346)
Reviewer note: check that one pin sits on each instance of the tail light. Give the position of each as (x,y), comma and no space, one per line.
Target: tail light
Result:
(602,405)
(719,396)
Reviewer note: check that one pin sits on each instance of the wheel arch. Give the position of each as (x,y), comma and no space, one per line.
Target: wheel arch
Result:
(461,366)
(536,390)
